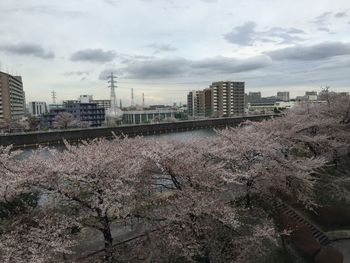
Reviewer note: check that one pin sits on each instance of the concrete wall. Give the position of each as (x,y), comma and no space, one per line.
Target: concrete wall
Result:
(20,140)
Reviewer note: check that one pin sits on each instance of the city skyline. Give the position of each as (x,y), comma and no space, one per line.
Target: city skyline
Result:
(166,49)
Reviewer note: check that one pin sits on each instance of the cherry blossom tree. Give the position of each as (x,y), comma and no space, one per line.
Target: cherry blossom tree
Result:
(188,194)
(4,126)
(64,120)
(99,179)
(28,233)
(261,167)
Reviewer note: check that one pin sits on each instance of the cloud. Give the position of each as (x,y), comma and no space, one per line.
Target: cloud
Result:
(324,29)
(42,9)
(107,72)
(157,68)
(247,35)
(161,48)
(229,65)
(341,14)
(77,73)
(313,52)
(27,49)
(242,35)
(93,55)
(112,2)
(177,67)
(322,19)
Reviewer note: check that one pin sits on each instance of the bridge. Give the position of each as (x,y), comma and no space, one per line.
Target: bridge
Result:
(54,137)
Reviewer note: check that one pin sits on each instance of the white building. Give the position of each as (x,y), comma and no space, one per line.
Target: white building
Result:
(148,116)
(85,98)
(37,108)
(283,95)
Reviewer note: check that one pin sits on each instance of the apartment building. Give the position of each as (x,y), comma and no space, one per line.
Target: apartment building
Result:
(86,112)
(196,103)
(227,98)
(12,98)
(106,104)
(221,99)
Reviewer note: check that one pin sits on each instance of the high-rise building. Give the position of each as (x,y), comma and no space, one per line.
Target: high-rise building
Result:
(37,108)
(208,98)
(12,99)
(283,95)
(227,98)
(196,103)
(221,99)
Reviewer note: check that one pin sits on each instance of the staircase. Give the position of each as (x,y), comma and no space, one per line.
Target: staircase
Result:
(317,233)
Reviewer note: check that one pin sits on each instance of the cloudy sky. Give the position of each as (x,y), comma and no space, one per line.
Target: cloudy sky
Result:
(165,48)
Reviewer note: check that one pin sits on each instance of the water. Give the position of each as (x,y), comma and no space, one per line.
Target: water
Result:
(186,136)
(179,136)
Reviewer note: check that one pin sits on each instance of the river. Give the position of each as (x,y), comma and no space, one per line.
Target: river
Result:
(177,136)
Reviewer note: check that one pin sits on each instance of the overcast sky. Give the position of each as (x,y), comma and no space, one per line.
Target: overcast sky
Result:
(166,48)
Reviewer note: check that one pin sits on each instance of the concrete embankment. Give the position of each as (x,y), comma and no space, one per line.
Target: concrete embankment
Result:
(30,139)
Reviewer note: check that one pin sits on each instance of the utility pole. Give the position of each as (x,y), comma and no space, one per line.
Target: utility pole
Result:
(132,97)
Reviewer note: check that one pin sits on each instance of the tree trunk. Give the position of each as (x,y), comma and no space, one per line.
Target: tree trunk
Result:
(247,200)
(108,239)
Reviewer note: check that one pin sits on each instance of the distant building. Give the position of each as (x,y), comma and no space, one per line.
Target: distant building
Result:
(311,95)
(47,119)
(254,96)
(37,108)
(85,98)
(148,116)
(283,96)
(208,99)
(86,112)
(270,107)
(227,98)
(196,103)
(90,113)
(106,104)
(12,98)
(221,99)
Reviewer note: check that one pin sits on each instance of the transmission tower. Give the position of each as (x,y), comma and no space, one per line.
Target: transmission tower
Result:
(132,98)
(112,85)
(53,95)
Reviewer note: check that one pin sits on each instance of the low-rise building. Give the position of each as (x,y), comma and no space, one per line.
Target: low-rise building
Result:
(86,112)
(148,116)
(89,113)
(37,108)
